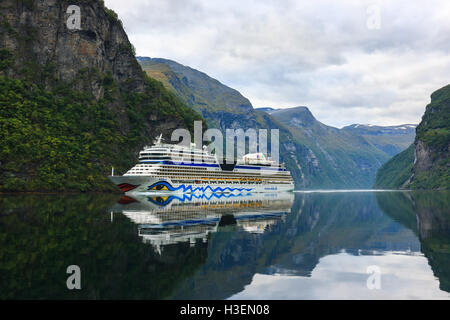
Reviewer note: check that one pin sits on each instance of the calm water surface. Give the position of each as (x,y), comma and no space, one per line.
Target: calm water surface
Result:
(333,245)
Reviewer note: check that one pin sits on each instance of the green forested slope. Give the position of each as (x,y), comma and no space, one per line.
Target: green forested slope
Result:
(71,110)
(397,171)
(55,140)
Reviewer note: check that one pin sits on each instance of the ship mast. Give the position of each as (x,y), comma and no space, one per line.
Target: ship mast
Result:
(158,140)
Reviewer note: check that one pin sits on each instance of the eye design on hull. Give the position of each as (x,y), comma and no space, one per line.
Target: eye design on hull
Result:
(161,201)
(159,187)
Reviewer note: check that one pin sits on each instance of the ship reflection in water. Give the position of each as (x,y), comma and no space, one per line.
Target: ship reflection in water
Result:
(169,219)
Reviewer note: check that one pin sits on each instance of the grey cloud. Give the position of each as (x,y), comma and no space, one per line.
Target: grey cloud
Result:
(317,53)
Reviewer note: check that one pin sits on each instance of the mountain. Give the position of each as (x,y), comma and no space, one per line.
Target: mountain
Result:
(372,130)
(221,106)
(428,167)
(74,102)
(298,117)
(340,155)
(268,110)
(390,139)
(318,156)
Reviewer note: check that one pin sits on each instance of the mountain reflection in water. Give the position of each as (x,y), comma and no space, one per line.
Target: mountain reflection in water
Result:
(222,246)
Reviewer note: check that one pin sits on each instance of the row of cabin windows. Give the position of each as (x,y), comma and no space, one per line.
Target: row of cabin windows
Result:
(207,160)
(286,181)
(177,155)
(199,170)
(173,168)
(206,173)
(210,160)
(221,173)
(184,171)
(174,153)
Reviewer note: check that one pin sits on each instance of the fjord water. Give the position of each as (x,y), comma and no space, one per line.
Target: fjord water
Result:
(272,246)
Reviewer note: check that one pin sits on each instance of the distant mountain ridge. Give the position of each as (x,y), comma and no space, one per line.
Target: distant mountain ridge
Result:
(296,116)
(268,110)
(381,130)
(319,156)
(363,129)
(390,139)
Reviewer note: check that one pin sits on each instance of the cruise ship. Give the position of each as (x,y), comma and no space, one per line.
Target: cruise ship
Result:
(169,168)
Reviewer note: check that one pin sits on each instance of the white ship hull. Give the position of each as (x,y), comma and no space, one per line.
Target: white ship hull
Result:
(133,184)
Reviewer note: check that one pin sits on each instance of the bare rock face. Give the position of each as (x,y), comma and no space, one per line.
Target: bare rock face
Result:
(423,160)
(42,36)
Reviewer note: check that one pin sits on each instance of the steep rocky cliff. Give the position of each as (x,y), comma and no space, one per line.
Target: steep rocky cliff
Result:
(432,157)
(429,166)
(74,101)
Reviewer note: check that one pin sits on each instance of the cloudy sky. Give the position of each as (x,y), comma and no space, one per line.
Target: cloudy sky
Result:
(349,61)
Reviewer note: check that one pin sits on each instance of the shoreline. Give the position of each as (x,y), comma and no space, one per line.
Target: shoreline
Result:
(118,192)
